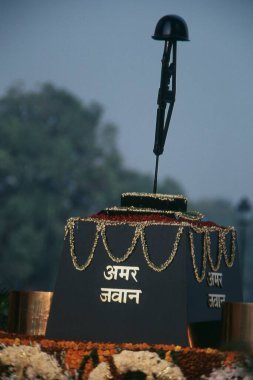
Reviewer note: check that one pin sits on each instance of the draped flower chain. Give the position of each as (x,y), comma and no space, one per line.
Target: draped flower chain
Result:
(140,234)
(222,249)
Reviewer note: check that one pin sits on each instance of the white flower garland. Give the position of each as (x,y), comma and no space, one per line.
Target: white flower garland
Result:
(144,361)
(30,362)
(227,373)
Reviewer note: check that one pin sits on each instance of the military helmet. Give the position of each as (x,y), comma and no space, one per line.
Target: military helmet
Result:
(171,27)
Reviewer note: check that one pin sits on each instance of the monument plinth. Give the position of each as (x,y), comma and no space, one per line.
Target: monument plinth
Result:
(142,277)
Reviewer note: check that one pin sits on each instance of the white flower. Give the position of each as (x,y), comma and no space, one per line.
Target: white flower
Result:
(144,361)
(227,373)
(33,361)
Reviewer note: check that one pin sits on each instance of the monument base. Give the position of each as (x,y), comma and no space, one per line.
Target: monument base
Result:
(143,278)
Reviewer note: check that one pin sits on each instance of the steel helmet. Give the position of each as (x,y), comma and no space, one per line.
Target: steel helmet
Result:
(171,27)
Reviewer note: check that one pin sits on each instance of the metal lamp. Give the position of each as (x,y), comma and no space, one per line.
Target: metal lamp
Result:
(169,29)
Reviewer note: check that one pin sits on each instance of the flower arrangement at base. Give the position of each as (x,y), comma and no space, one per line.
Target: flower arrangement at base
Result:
(235,372)
(44,359)
(136,365)
(29,362)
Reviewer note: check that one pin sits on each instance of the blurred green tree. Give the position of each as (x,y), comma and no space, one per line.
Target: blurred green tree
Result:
(51,165)
(58,158)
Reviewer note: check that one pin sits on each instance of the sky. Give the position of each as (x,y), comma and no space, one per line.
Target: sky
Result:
(103,51)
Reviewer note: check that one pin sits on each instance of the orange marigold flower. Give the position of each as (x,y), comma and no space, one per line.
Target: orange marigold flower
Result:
(17,341)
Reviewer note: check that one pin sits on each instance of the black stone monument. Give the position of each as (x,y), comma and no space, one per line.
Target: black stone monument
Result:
(137,277)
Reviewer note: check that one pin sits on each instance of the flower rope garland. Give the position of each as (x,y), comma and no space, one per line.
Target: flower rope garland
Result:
(171,257)
(29,362)
(137,234)
(222,249)
(149,363)
(140,234)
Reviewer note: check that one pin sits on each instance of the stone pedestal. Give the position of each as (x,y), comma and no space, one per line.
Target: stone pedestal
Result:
(142,279)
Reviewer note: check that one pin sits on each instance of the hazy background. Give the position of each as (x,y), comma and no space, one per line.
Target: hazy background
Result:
(61,157)
(103,51)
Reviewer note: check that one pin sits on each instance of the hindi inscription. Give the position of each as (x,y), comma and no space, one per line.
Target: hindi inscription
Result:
(115,272)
